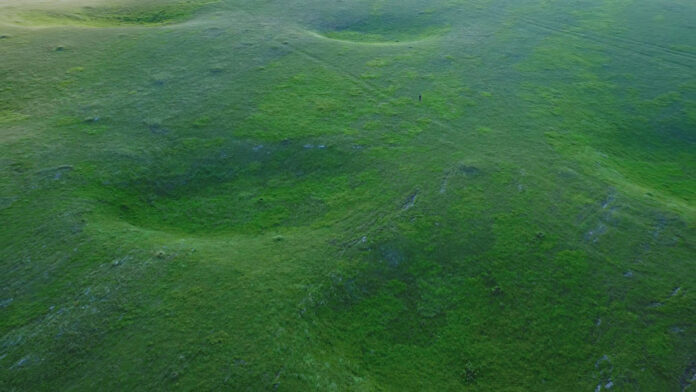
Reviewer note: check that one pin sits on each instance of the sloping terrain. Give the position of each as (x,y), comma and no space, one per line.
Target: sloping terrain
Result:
(250,195)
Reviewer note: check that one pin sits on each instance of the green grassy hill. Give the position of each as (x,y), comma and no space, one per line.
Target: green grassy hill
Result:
(250,196)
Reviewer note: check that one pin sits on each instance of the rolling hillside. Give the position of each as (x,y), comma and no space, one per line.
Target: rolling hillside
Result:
(348,195)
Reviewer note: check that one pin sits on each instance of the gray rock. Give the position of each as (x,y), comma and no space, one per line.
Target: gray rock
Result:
(22,362)
(411,201)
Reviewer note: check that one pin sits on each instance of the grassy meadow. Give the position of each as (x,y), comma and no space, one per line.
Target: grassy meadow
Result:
(249,195)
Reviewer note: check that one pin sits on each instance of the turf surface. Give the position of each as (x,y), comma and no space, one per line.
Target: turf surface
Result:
(249,195)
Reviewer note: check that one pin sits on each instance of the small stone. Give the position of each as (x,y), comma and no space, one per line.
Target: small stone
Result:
(22,362)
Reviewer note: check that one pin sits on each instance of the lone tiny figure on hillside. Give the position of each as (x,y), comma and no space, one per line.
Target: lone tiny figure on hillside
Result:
(420,98)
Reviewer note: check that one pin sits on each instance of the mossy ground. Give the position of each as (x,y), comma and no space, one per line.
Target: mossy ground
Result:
(249,195)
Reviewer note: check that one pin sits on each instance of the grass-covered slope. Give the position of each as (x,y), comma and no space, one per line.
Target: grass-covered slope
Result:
(249,195)
(97,13)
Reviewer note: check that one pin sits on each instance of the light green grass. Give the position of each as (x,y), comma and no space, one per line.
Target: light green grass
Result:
(247,195)
(98,14)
